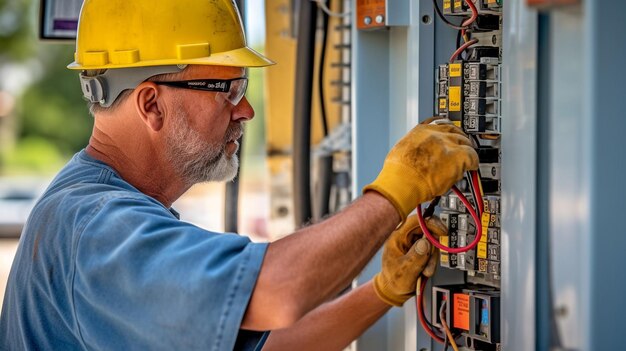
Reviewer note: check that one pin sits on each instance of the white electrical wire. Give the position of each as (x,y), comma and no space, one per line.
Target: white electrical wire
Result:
(322,5)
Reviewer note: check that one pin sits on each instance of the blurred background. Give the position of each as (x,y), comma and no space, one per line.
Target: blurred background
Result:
(44,122)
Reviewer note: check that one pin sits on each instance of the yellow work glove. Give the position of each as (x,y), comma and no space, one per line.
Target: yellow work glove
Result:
(425,163)
(405,258)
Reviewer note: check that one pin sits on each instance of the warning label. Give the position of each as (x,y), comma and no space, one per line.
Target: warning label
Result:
(461,318)
(455,70)
(455,98)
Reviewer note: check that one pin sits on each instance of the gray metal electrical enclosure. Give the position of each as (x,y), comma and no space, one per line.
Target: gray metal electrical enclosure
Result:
(562,149)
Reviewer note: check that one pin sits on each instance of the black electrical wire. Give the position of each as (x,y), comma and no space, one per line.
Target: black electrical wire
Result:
(325,163)
(430,210)
(445,20)
(320,78)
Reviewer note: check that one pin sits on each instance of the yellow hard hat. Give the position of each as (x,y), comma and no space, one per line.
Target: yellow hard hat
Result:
(140,33)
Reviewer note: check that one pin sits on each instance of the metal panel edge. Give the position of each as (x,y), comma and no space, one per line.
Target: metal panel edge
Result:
(519,176)
(370,137)
(605,124)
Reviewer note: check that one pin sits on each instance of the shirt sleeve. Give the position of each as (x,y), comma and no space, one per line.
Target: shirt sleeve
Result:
(147,281)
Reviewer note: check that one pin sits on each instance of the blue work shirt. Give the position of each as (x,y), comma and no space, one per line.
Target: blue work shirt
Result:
(102,266)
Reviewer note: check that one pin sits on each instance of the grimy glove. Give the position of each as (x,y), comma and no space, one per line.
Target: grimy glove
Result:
(425,163)
(405,258)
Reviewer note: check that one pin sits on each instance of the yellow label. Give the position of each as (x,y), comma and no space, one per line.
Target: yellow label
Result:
(483,238)
(454,94)
(485,219)
(446,4)
(455,70)
(443,258)
(458,4)
(443,240)
(481,250)
(457,123)
(442,104)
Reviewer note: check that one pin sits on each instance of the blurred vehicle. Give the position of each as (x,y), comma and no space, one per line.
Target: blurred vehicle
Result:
(17,198)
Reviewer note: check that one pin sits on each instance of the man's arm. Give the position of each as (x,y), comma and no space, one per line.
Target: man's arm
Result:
(333,325)
(311,266)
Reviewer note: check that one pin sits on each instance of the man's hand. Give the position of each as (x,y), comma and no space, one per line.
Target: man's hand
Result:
(405,258)
(424,164)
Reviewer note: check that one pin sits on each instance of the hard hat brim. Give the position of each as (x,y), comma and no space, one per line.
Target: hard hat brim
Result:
(243,57)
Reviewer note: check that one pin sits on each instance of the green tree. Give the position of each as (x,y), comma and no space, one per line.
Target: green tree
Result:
(15,30)
(53,108)
(52,120)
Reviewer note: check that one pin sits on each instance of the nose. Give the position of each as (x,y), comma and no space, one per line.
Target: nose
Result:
(243,111)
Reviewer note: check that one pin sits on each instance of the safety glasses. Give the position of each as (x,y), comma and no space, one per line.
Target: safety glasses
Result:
(232,90)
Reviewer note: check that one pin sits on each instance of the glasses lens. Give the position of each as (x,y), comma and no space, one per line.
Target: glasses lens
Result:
(237,90)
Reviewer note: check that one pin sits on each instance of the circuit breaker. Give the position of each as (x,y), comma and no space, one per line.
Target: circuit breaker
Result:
(468,92)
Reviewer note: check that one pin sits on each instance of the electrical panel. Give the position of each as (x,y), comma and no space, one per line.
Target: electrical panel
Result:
(468,92)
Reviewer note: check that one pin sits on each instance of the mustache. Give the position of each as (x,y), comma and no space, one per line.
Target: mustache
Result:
(234,131)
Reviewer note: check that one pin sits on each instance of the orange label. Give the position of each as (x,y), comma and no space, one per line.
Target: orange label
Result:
(461,318)
(368,11)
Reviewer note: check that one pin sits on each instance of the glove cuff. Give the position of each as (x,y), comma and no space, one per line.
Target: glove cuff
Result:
(380,288)
(404,195)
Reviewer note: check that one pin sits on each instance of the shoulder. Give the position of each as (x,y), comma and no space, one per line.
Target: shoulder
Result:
(82,189)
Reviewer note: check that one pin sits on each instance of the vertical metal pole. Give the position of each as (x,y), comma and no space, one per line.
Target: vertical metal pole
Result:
(543,154)
(302,112)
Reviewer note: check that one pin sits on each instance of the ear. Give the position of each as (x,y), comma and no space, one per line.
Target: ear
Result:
(149,105)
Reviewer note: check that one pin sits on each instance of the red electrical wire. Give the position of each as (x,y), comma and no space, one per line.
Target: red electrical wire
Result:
(464,27)
(474,10)
(419,301)
(475,216)
(478,189)
(462,48)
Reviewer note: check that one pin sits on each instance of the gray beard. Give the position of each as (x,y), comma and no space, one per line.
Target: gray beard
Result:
(196,160)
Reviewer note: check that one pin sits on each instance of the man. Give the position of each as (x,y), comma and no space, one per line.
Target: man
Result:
(104,262)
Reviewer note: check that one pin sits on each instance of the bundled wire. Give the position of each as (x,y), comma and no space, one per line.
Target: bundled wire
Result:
(474,16)
(476,216)
(465,24)
(444,19)
(461,49)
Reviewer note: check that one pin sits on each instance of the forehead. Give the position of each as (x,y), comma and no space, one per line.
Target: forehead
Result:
(206,72)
